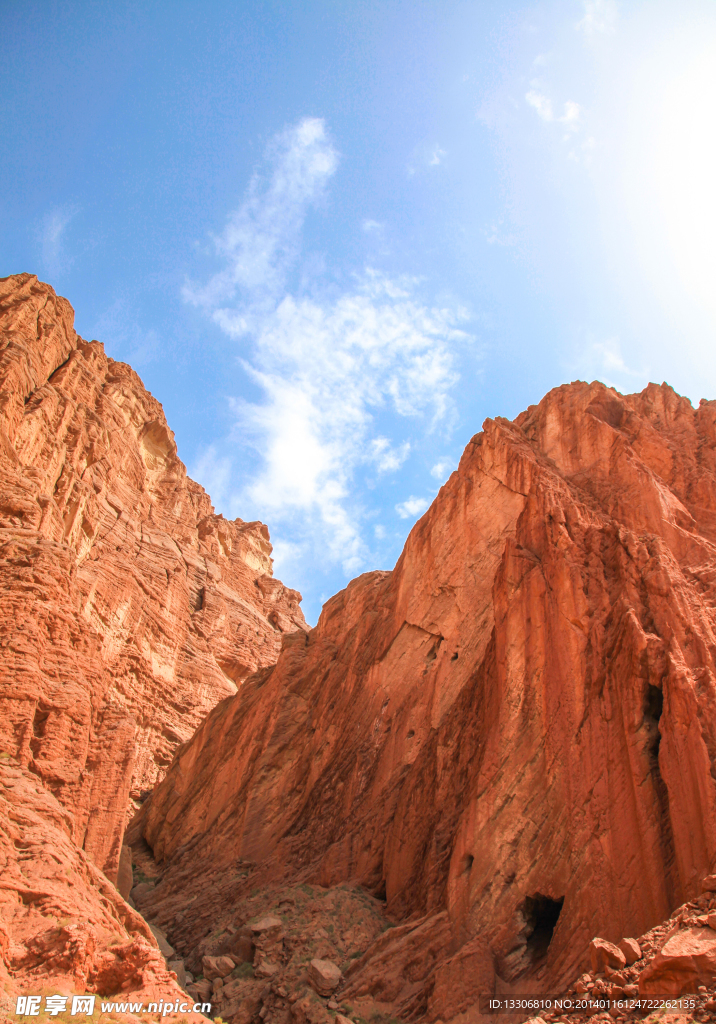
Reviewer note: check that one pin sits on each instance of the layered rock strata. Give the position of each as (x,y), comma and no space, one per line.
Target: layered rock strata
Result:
(128,609)
(510,738)
(64,929)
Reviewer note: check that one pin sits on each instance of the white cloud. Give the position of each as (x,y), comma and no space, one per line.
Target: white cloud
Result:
(55,260)
(441,469)
(572,113)
(543,105)
(369,225)
(600,16)
(327,368)
(436,156)
(326,371)
(387,458)
(412,507)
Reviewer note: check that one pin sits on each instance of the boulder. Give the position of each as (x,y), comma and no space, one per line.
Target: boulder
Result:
(165,948)
(631,950)
(709,884)
(267,932)
(216,966)
(178,967)
(141,890)
(685,961)
(711,920)
(604,954)
(201,990)
(324,976)
(266,969)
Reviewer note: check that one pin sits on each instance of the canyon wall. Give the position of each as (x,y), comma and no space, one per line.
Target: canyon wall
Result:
(510,738)
(128,609)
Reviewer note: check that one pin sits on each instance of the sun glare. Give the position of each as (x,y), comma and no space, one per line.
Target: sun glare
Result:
(685,175)
(671,172)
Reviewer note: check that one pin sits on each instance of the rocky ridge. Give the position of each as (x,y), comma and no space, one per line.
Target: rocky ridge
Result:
(128,610)
(509,740)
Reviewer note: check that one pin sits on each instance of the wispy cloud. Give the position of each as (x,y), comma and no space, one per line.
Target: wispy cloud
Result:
(603,359)
(124,338)
(427,154)
(543,105)
(608,355)
(214,472)
(337,376)
(412,507)
(54,257)
(262,238)
(387,458)
(600,16)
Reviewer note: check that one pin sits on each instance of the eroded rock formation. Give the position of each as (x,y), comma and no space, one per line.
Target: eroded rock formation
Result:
(128,609)
(509,738)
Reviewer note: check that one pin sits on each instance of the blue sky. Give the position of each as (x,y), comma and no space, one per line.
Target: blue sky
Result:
(333,237)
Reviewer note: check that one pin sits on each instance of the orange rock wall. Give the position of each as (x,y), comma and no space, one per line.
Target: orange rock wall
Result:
(127,608)
(524,708)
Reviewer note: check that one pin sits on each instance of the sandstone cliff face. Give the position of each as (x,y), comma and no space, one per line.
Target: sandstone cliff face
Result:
(510,737)
(63,926)
(127,608)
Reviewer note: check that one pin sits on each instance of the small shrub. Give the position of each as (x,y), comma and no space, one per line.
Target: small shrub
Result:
(245,970)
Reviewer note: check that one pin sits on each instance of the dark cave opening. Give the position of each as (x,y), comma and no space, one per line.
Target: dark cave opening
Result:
(39,725)
(541,914)
(653,707)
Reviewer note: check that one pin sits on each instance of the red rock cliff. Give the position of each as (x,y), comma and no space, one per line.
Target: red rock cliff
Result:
(516,726)
(128,609)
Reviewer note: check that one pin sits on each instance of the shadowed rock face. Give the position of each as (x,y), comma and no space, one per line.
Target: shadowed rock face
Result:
(511,734)
(127,608)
